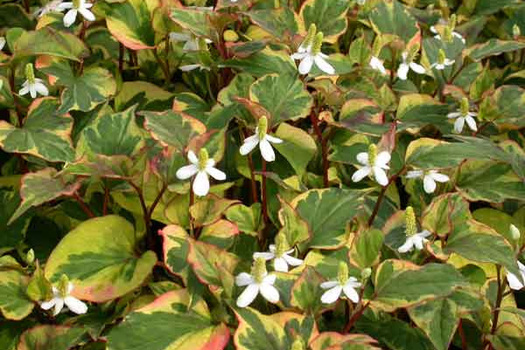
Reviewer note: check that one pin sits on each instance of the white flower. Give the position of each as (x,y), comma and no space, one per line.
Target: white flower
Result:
(461,119)
(342,284)
(33,85)
(75,7)
(442,61)
(514,282)
(377,64)
(191,42)
(404,67)
(429,178)
(50,7)
(202,166)
(454,33)
(262,139)
(279,254)
(310,52)
(259,281)
(416,240)
(59,299)
(190,67)
(2,42)
(373,164)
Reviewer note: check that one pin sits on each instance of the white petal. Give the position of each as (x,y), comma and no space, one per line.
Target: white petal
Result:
(361,174)
(269,279)
(306,64)
(70,17)
(380,176)
(449,62)
(329,284)
(46,305)
(419,241)
(216,173)
(249,144)
(279,264)
(521,267)
(2,43)
(269,293)
(424,233)
(87,5)
(351,293)
(191,45)
(272,248)
(453,115)
(88,15)
(429,184)
(23,90)
(243,279)
(331,295)
(201,184)
(267,150)
(414,174)
(382,159)
(299,55)
(210,163)
(192,157)
(419,69)
(323,65)
(179,36)
(458,125)
(514,282)
(69,288)
(32,90)
(291,260)
(248,295)
(186,172)
(59,305)
(362,158)
(273,139)
(76,305)
(264,255)
(439,177)
(41,89)
(457,35)
(189,67)
(433,29)
(64,6)
(402,71)
(471,123)
(407,246)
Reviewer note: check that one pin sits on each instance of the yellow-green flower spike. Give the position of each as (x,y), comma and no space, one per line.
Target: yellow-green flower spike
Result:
(372,154)
(410,222)
(442,56)
(203,158)
(412,52)
(516,31)
(259,269)
(452,22)
(281,245)
(30,73)
(309,38)
(62,285)
(298,344)
(464,107)
(262,127)
(76,4)
(447,34)
(342,273)
(318,42)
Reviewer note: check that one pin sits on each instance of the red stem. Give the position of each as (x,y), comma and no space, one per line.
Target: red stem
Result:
(381,196)
(324,151)
(83,205)
(263,190)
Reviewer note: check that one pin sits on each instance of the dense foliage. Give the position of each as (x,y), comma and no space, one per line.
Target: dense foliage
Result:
(262,174)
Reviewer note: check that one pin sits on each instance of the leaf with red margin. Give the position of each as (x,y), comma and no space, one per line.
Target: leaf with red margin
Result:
(172,321)
(50,337)
(210,209)
(338,341)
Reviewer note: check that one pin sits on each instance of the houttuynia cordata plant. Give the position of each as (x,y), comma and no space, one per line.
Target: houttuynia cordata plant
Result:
(262,174)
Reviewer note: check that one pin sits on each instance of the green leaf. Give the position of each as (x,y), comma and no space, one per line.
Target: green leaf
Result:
(402,284)
(329,17)
(14,16)
(334,340)
(48,41)
(39,288)
(392,18)
(210,209)
(172,321)
(171,128)
(294,228)
(41,187)
(283,96)
(438,319)
(298,147)
(506,342)
(280,22)
(498,220)
(130,23)
(44,133)
(12,234)
(147,93)
(247,219)
(195,20)
(81,93)
(50,337)
(306,292)
(493,47)
(481,243)
(327,213)
(505,105)
(14,302)
(421,110)
(366,248)
(265,62)
(489,181)
(446,214)
(99,257)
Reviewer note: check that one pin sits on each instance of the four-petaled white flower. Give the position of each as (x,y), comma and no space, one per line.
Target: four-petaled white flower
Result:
(514,282)
(377,64)
(2,42)
(61,297)
(279,255)
(463,115)
(310,52)
(413,238)
(191,42)
(406,65)
(259,281)
(373,164)
(343,284)
(453,33)
(262,139)
(33,85)
(442,61)
(202,166)
(75,7)
(429,178)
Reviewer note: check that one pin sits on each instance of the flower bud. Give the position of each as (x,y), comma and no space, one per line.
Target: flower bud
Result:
(230,36)
(203,158)
(514,232)
(30,257)
(342,273)
(366,273)
(516,31)
(259,269)
(410,222)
